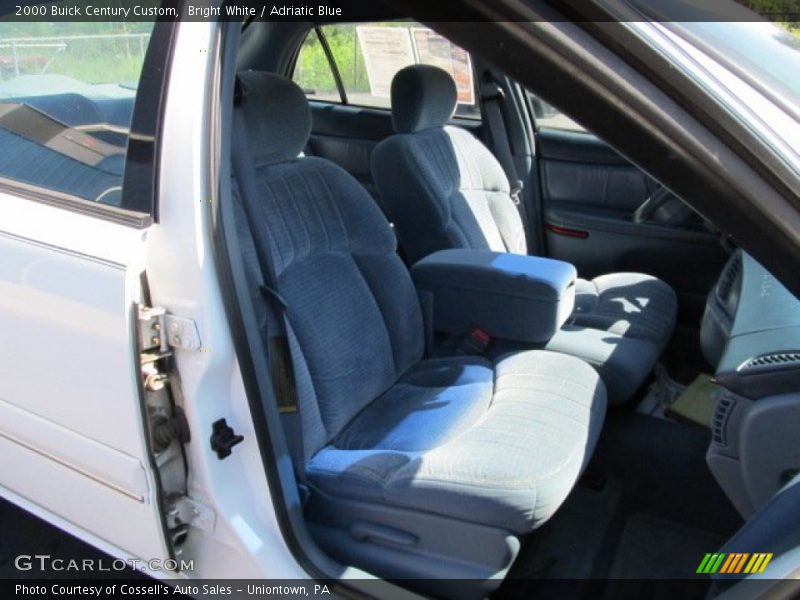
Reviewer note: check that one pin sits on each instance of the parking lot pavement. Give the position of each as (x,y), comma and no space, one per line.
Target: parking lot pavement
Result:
(22,533)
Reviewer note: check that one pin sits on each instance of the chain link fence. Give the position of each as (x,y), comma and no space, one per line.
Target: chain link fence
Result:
(99,58)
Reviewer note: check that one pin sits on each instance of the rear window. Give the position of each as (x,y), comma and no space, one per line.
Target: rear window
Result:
(366,57)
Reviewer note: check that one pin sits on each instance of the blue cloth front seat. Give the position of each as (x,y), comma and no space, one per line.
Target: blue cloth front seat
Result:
(419,468)
(443,189)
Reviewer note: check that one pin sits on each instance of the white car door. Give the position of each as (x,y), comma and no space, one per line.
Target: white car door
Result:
(71,427)
(73,435)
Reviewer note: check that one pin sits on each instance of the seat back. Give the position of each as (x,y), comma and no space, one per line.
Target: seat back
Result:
(349,299)
(441,186)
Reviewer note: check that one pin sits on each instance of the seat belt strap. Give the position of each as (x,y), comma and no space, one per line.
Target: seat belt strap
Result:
(280,358)
(492,97)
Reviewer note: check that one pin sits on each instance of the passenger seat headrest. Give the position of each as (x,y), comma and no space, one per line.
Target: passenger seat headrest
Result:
(276,114)
(423,96)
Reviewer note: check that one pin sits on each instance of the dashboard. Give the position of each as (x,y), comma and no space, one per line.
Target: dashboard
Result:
(751,333)
(757,324)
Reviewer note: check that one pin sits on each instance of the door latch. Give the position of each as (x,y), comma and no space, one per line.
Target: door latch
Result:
(223,438)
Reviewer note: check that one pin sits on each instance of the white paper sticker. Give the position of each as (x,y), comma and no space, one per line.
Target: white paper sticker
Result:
(433,49)
(386,50)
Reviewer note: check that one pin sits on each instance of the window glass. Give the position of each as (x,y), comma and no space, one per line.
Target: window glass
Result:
(767,53)
(548,116)
(66,100)
(313,72)
(368,55)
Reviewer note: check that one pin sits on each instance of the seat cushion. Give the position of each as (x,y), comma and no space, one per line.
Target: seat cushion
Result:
(628,304)
(497,443)
(623,362)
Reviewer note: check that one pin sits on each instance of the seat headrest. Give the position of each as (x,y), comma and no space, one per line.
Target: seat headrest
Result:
(277,116)
(423,96)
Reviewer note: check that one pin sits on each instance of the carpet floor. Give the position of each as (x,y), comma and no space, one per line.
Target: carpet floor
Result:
(647,511)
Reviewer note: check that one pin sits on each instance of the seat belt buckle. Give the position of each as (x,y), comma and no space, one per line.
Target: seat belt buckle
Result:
(475,342)
(282,379)
(516,191)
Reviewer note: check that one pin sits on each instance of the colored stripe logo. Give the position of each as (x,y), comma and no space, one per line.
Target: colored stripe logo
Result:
(734,562)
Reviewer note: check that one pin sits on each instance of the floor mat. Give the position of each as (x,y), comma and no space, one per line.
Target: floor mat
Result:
(657,559)
(697,402)
(662,464)
(658,514)
(653,548)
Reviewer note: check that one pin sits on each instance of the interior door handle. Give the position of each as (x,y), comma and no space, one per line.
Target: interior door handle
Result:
(649,207)
(566,231)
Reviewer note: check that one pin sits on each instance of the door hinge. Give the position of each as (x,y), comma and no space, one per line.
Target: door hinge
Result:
(183,512)
(159,331)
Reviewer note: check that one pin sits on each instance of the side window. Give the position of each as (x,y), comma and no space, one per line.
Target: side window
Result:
(67,92)
(313,71)
(367,56)
(549,117)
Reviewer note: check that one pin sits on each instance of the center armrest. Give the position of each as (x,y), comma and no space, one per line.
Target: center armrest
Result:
(510,296)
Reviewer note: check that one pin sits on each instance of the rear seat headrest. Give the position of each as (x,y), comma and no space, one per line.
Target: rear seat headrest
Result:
(423,96)
(276,114)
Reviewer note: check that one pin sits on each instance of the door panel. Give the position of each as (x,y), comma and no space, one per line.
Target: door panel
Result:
(71,429)
(589,195)
(613,188)
(690,261)
(579,169)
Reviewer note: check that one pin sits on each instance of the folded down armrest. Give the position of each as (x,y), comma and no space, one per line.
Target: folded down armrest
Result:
(510,296)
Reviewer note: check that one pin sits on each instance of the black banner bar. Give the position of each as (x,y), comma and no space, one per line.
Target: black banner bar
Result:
(240,589)
(372,10)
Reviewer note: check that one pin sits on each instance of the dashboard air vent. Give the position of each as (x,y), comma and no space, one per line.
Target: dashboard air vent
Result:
(774,361)
(725,404)
(729,277)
